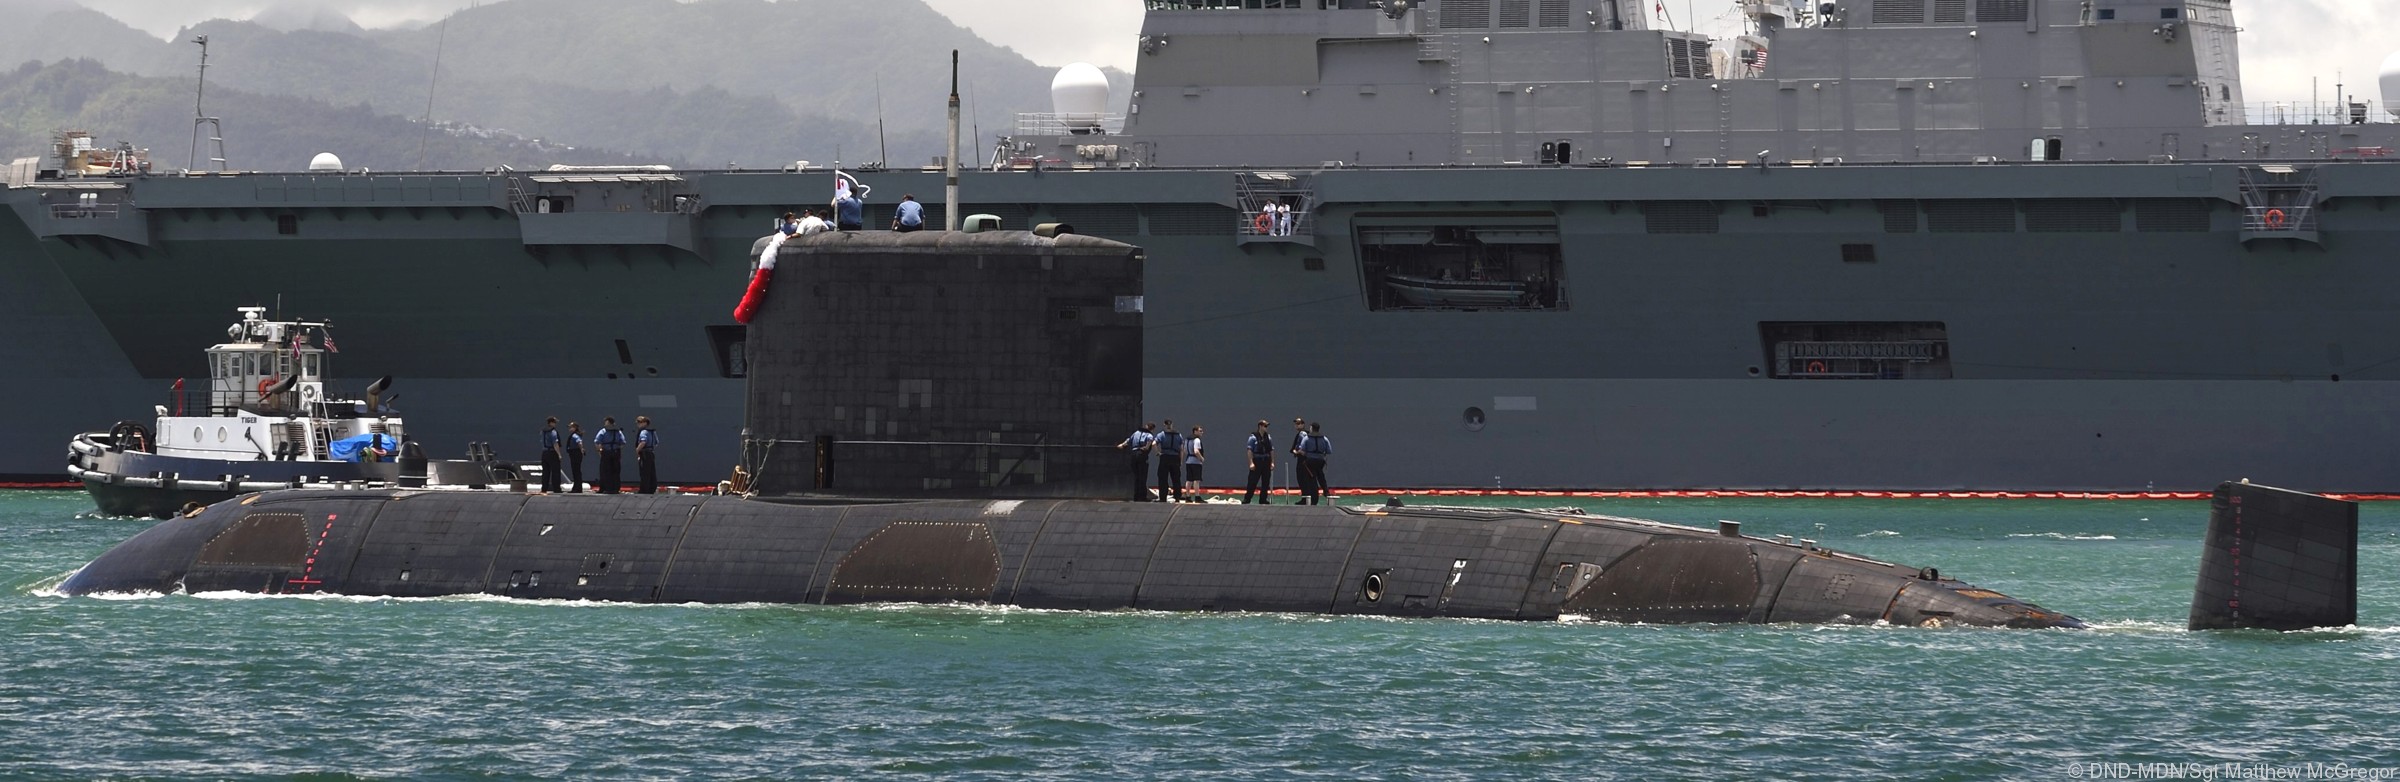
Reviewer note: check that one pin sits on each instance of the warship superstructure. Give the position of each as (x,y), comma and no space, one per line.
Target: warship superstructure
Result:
(2013,244)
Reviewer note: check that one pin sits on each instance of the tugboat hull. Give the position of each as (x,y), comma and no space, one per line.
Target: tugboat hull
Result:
(137,483)
(156,502)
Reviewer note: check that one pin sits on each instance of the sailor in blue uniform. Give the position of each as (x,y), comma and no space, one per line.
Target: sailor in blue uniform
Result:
(1314,448)
(910,216)
(1262,466)
(552,451)
(1169,446)
(1300,465)
(1137,447)
(645,453)
(575,456)
(850,213)
(612,455)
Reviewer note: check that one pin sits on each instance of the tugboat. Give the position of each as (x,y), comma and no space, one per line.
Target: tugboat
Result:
(268,420)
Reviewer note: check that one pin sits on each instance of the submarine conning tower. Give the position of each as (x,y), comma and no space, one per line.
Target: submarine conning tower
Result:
(958,364)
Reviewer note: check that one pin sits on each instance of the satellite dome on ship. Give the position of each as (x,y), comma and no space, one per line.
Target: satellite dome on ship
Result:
(2391,84)
(325,161)
(1079,94)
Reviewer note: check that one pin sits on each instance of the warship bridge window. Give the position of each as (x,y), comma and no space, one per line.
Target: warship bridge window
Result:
(1471,268)
(1857,350)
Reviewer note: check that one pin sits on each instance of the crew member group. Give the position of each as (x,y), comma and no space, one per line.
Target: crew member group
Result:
(567,449)
(1181,460)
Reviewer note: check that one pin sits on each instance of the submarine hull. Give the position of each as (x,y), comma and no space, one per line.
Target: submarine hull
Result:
(1059,554)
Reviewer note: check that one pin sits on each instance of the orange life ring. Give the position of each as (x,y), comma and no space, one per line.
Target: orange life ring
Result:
(2275,218)
(1816,367)
(1263,225)
(263,385)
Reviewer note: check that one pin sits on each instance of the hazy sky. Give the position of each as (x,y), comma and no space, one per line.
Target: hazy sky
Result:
(2284,44)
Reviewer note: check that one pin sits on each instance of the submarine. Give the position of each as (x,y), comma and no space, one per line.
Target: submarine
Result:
(925,420)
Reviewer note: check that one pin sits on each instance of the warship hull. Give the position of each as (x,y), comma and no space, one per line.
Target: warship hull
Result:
(2074,326)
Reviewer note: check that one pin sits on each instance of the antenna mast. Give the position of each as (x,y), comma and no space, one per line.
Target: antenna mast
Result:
(883,148)
(950,161)
(200,118)
(441,40)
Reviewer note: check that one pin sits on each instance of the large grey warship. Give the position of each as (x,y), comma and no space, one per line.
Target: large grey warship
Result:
(1997,244)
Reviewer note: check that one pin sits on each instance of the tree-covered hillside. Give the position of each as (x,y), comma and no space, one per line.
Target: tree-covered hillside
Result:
(709,82)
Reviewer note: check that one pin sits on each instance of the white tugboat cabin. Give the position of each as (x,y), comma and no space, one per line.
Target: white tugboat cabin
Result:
(268,400)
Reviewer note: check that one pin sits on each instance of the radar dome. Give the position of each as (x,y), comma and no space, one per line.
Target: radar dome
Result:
(325,161)
(1080,94)
(2391,84)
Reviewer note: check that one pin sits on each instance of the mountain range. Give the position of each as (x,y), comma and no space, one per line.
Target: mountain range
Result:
(702,83)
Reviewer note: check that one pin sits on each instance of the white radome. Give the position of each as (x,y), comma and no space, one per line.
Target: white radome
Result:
(1080,94)
(325,161)
(2391,84)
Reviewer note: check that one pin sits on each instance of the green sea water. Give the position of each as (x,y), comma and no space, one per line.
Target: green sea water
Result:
(230,687)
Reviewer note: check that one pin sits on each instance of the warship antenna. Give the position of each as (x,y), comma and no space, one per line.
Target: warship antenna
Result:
(200,116)
(441,38)
(950,161)
(883,147)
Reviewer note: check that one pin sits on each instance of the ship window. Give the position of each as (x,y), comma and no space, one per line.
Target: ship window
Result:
(1899,11)
(1680,217)
(1858,253)
(2169,13)
(2000,10)
(1516,13)
(2074,215)
(287,225)
(1970,216)
(1483,268)
(2108,13)
(731,346)
(309,366)
(1554,13)
(1465,14)
(1899,217)
(1857,351)
(2171,215)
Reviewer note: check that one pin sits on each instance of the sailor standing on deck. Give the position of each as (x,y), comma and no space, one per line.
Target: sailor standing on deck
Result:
(1137,446)
(575,456)
(1193,462)
(1313,450)
(645,453)
(1170,463)
(553,451)
(1261,448)
(612,455)
(1300,466)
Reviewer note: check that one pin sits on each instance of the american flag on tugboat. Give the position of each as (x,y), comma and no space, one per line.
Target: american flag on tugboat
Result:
(328,336)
